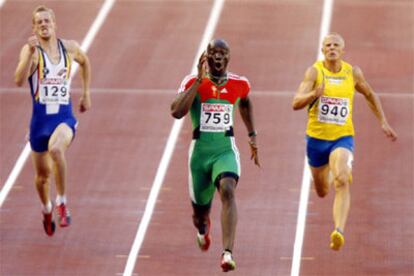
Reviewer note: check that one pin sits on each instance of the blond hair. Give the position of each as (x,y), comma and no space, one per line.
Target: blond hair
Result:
(42,8)
(334,34)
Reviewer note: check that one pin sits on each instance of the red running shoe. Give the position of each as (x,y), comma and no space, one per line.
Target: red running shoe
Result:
(63,215)
(49,224)
(204,240)
(227,262)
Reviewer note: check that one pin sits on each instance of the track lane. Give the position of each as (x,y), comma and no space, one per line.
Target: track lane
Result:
(114,158)
(378,239)
(267,198)
(14,121)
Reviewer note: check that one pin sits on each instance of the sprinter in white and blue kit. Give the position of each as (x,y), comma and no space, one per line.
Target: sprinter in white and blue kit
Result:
(46,62)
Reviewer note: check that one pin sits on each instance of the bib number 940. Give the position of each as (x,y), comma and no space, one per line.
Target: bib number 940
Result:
(333,110)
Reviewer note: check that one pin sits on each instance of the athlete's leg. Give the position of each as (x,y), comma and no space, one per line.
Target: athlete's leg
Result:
(201,216)
(227,187)
(318,152)
(321,179)
(43,168)
(340,163)
(58,143)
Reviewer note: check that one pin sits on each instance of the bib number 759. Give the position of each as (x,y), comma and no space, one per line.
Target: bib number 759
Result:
(216,117)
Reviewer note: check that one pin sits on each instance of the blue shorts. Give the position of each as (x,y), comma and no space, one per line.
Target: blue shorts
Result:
(40,132)
(318,150)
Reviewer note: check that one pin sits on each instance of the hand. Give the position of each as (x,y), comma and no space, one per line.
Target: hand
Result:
(32,42)
(254,151)
(389,132)
(201,67)
(85,102)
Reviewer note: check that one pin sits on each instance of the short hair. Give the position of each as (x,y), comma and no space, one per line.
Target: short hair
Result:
(334,34)
(42,8)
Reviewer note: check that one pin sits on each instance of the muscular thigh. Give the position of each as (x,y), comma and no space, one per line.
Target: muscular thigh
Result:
(226,164)
(61,136)
(340,161)
(201,186)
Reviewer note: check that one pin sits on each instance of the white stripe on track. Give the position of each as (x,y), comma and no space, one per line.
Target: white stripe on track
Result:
(169,147)
(103,12)
(306,178)
(2,3)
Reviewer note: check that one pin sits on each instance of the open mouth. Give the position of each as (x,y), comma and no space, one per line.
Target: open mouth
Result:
(218,65)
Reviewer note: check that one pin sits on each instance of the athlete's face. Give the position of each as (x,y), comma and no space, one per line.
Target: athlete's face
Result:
(333,48)
(218,55)
(44,25)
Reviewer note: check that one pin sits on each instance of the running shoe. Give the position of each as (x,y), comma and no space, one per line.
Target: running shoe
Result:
(227,262)
(48,223)
(337,239)
(204,240)
(63,215)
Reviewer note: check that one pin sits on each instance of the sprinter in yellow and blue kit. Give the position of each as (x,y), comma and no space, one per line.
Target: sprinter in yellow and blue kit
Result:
(327,92)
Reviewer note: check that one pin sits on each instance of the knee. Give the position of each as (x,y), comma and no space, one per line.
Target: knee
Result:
(42,178)
(56,153)
(227,188)
(342,181)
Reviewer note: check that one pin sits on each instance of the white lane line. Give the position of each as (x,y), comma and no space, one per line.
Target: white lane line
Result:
(169,148)
(96,26)
(103,12)
(306,179)
(14,173)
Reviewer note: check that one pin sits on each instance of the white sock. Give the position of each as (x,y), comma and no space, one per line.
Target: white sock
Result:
(60,199)
(47,208)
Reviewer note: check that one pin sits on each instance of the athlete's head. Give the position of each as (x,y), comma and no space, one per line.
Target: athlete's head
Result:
(218,56)
(333,46)
(43,22)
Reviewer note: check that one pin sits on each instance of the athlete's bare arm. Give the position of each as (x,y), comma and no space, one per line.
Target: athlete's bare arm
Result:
(246,112)
(363,87)
(182,103)
(27,61)
(307,92)
(82,59)
(245,108)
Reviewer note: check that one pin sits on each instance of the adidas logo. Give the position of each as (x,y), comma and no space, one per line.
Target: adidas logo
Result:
(224,90)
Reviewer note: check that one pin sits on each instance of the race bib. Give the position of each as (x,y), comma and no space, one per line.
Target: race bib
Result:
(54,91)
(216,117)
(333,110)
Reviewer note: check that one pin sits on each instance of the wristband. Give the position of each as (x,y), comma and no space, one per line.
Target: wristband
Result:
(252,133)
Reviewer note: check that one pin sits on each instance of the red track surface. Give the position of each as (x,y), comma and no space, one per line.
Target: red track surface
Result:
(146,47)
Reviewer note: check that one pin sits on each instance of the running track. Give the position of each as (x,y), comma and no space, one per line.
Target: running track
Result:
(139,57)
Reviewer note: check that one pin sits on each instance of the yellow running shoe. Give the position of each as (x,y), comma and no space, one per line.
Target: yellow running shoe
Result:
(337,240)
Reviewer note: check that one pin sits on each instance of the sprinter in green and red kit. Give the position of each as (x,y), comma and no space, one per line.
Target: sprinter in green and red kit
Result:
(212,96)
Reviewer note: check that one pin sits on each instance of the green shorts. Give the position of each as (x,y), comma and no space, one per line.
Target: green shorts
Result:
(208,161)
